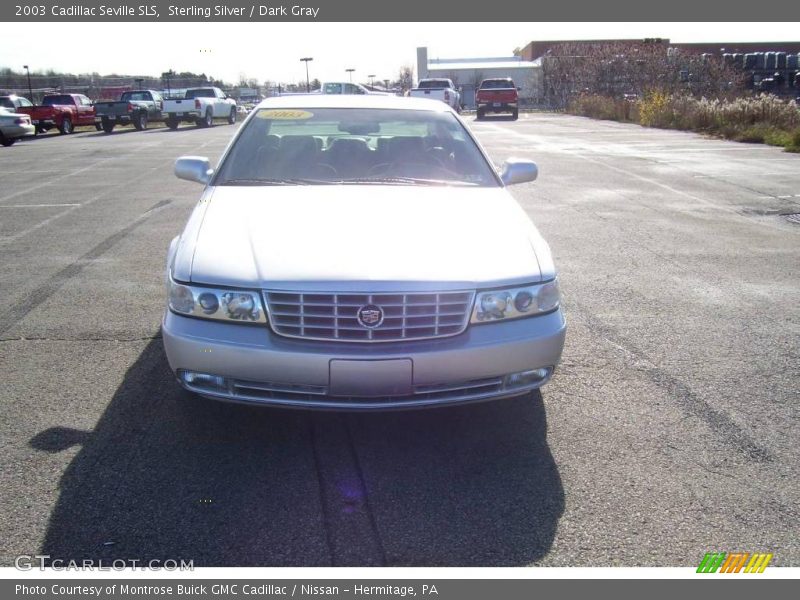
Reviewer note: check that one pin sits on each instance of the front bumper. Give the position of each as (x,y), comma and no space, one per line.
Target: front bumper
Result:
(255,366)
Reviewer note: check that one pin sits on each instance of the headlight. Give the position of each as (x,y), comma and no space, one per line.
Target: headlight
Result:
(494,305)
(243,306)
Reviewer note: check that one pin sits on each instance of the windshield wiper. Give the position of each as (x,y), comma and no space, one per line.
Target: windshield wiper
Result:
(275,181)
(408,181)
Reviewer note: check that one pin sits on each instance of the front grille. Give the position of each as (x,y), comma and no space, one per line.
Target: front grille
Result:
(406,316)
(317,396)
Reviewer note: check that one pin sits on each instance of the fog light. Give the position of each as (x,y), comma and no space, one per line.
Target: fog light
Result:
(204,380)
(526,377)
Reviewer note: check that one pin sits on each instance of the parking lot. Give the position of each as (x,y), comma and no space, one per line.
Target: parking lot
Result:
(670,429)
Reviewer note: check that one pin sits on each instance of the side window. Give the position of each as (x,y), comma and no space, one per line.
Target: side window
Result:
(25,102)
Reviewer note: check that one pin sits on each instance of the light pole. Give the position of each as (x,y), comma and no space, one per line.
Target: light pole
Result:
(305,60)
(30,88)
(386,81)
(350,72)
(371,80)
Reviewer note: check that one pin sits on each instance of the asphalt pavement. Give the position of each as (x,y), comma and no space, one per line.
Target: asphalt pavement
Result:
(670,429)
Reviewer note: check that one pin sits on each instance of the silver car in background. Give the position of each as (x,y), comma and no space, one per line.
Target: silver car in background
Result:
(359,253)
(14,126)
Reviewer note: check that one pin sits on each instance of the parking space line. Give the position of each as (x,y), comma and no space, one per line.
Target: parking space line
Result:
(39,225)
(36,205)
(50,182)
(584,151)
(72,207)
(18,311)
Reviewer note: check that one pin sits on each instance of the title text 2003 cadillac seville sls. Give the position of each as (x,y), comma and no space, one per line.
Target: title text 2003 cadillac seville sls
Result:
(359,253)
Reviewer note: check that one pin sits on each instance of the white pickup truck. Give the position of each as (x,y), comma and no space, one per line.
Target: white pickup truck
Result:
(438,89)
(200,106)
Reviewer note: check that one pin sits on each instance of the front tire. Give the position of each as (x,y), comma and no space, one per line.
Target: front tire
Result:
(232,116)
(66,126)
(140,123)
(515,114)
(479,116)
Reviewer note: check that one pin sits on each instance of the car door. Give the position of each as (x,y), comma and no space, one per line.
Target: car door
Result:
(158,104)
(86,110)
(350,88)
(216,103)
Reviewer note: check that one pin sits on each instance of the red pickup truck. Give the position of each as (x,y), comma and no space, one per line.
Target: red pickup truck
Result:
(64,111)
(496,96)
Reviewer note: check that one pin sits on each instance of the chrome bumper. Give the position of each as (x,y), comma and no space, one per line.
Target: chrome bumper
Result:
(255,366)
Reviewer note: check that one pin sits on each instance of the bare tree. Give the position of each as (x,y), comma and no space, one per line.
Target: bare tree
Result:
(405,78)
(621,69)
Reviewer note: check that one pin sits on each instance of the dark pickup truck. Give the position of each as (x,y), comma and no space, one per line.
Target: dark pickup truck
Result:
(64,111)
(135,108)
(497,95)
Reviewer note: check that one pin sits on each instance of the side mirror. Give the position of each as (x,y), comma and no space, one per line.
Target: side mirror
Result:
(518,170)
(194,168)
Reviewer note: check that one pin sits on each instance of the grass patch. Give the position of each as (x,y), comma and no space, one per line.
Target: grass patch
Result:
(764,119)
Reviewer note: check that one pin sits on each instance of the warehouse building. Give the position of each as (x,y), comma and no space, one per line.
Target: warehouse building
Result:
(467,73)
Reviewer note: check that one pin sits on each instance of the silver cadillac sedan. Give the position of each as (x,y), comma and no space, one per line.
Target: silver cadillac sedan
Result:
(359,253)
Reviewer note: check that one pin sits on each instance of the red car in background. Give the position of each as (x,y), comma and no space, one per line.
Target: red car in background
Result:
(64,111)
(498,95)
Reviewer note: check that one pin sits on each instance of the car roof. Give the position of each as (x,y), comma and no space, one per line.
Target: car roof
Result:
(353,101)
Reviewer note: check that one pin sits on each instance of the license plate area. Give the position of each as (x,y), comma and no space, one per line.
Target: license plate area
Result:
(369,378)
(496,104)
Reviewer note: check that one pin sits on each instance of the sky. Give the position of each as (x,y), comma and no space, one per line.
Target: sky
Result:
(270,51)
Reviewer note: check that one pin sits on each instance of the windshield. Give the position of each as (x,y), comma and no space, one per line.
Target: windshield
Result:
(349,145)
(135,96)
(56,100)
(433,83)
(494,84)
(204,93)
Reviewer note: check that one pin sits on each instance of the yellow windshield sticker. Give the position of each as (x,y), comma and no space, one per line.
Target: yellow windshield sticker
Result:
(284,114)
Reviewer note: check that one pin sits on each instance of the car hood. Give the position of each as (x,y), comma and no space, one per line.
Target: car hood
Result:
(345,236)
